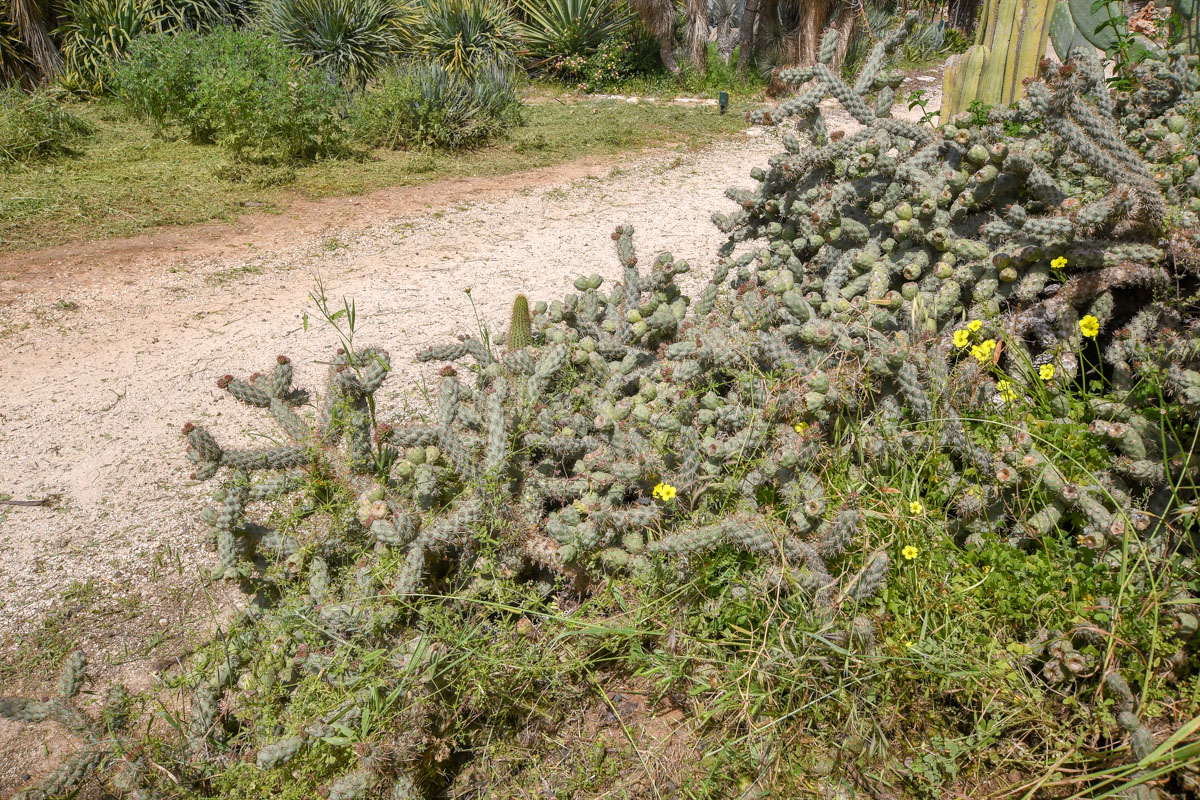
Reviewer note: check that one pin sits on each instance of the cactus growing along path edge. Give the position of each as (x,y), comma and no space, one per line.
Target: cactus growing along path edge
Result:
(98,371)
(102,361)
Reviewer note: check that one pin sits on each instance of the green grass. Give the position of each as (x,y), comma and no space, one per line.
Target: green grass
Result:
(126,181)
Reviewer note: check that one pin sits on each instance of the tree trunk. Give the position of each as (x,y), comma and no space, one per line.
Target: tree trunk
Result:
(697,34)
(666,51)
(963,14)
(768,25)
(659,18)
(726,41)
(746,34)
(814,19)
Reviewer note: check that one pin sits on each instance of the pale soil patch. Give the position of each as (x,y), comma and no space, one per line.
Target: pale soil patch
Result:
(111,347)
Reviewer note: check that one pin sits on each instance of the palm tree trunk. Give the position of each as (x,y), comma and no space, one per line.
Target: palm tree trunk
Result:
(746,35)
(768,25)
(659,18)
(697,34)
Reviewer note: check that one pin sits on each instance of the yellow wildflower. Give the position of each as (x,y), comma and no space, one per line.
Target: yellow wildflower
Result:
(800,427)
(961,338)
(983,351)
(1006,391)
(1046,371)
(915,507)
(909,552)
(664,492)
(1089,326)
(1059,262)
(974,325)
(909,643)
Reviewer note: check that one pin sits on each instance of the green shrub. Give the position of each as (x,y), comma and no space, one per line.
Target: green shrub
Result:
(464,35)
(617,59)
(238,88)
(428,106)
(158,80)
(33,126)
(555,29)
(352,39)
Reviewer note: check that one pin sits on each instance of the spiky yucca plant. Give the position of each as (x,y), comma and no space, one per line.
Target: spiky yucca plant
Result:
(571,27)
(424,105)
(97,32)
(353,39)
(465,35)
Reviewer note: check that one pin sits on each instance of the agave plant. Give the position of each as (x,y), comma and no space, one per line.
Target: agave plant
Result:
(352,39)
(96,32)
(927,41)
(571,27)
(467,35)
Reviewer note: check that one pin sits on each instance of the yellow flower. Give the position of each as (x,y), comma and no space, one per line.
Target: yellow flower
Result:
(909,643)
(664,492)
(1059,262)
(1046,371)
(983,351)
(1006,391)
(800,427)
(909,552)
(961,338)
(974,325)
(915,507)
(1089,326)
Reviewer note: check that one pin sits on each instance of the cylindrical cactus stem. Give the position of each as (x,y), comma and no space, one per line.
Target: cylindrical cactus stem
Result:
(520,328)
(67,775)
(202,719)
(248,392)
(70,680)
(318,579)
(279,753)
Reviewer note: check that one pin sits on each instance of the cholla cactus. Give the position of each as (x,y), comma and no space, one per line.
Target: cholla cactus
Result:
(637,427)
(103,740)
